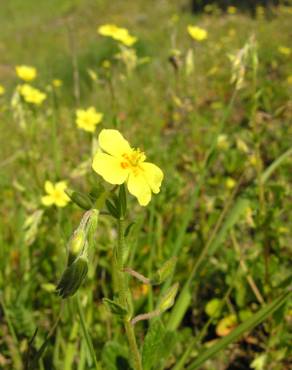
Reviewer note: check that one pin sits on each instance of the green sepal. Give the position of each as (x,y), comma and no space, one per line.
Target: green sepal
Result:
(128,229)
(112,209)
(73,277)
(114,307)
(80,199)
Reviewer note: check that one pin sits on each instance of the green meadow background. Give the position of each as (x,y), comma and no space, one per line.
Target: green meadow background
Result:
(225,203)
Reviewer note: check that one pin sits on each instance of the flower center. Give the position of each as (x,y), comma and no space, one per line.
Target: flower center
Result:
(133,159)
(58,195)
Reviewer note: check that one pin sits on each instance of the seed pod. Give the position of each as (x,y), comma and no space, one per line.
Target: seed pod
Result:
(73,277)
(167,300)
(165,271)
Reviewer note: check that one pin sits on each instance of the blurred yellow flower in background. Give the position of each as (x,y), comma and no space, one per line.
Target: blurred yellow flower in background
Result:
(26,73)
(57,83)
(284,50)
(117,33)
(2,90)
(197,33)
(241,145)
(223,142)
(55,194)
(226,325)
(118,163)
(31,94)
(87,119)
(231,9)
(106,64)
(230,183)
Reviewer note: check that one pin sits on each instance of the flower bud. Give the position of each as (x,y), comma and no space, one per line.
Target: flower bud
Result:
(165,271)
(82,200)
(72,277)
(77,242)
(76,245)
(167,300)
(114,307)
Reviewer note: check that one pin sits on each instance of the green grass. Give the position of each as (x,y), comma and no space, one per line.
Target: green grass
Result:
(231,243)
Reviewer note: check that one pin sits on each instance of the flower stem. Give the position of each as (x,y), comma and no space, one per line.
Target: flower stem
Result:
(124,294)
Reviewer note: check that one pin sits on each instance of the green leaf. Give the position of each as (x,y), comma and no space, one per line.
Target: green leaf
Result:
(153,344)
(277,162)
(213,308)
(234,215)
(115,357)
(253,321)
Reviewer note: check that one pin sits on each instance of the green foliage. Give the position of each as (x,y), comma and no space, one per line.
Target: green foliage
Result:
(219,227)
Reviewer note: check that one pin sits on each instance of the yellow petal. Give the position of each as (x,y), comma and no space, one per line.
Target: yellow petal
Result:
(154,176)
(61,186)
(47,200)
(138,186)
(49,187)
(109,168)
(61,202)
(112,142)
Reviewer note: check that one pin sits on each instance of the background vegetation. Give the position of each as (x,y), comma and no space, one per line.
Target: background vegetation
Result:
(225,204)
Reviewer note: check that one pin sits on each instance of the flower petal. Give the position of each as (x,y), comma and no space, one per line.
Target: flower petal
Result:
(112,142)
(109,168)
(47,200)
(138,186)
(61,185)
(62,201)
(153,175)
(49,187)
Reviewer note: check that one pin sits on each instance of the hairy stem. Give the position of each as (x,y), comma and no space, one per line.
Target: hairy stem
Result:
(124,293)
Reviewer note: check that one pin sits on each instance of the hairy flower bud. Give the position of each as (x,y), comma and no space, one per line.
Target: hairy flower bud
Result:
(165,271)
(167,300)
(73,277)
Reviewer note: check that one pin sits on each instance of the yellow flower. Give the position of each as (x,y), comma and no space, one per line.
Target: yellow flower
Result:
(2,90)
(197,33)
(284,50)
(289,80)
(260,11)
(117,33)
(57,83)
(87,119)
(55,194)
(26,73)
(31,94)
(226,325)
(241,145)
(106,64)
(223,142)
(231,10)
(230,183)
(118,163)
